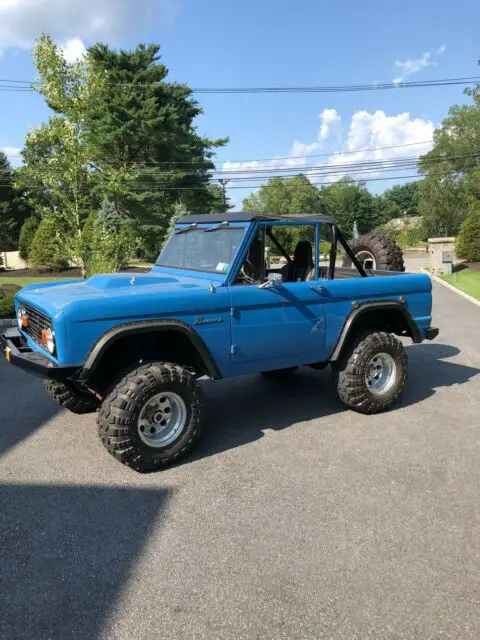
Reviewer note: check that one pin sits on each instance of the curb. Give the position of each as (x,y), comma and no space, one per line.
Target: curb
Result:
(452,288)
(8,322)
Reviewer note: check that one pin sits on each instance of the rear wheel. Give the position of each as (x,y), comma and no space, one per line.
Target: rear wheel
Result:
(71,398)
(279,375)
(371,372)
(376,251)
(152,418)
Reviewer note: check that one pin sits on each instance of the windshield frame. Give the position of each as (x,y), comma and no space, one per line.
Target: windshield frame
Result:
(204,227)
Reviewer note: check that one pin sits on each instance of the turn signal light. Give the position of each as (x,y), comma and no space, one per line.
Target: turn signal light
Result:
(24,321)
(44,336)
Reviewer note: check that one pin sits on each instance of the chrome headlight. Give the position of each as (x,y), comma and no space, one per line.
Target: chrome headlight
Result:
(21,316)
(50,340)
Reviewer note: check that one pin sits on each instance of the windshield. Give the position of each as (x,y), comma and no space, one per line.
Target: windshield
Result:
(198,250)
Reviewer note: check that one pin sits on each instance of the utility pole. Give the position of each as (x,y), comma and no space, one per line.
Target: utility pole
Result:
(224,182)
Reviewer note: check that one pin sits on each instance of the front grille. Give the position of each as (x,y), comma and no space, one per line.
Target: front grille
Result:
(36,322)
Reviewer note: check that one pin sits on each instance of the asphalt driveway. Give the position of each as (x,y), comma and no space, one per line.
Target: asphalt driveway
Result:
(295,518)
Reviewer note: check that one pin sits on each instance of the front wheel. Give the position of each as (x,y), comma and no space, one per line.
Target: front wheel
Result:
(371,372)
(71,398)
(152,417)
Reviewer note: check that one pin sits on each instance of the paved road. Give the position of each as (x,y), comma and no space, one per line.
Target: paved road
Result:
(296,519)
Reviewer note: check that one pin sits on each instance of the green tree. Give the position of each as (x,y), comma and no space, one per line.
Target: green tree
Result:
(27,234)
(286,195)
(48,250)
(179,210)
(145,147)
(453,169)
(403,198)
(468,240)
(282,196)
(57,171)
(7,208)
(108,240)
(349,202)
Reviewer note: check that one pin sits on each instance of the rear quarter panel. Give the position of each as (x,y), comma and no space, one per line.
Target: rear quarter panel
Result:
(343,293)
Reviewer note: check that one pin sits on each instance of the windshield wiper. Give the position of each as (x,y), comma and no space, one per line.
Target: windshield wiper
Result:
(190,227)
(222,225)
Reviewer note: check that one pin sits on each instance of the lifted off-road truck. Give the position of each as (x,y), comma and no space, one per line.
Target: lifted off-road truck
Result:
(132,346)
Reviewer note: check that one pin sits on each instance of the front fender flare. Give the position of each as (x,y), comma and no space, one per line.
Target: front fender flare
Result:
(361,308)
(106,340)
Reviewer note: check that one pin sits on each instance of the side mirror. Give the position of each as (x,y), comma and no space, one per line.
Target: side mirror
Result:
(274,280)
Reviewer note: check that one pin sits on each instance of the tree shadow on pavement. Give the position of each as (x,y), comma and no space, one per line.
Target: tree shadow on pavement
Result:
(66,553)
(24,406)
(239,410)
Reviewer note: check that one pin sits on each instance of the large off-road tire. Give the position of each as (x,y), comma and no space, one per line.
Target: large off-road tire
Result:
(377,251)
(279,375)
(71,398)
(371,372)
(152,417)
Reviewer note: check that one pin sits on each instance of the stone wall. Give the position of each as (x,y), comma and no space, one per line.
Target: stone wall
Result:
(436,247)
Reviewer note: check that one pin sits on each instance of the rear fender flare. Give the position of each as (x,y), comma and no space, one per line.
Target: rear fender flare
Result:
(362,308)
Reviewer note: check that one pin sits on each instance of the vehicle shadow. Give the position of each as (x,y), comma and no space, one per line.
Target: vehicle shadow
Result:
(241,409)
(428,370)
(66,554)
(24,406)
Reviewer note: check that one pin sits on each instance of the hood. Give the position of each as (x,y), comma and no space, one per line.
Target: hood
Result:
(119,290)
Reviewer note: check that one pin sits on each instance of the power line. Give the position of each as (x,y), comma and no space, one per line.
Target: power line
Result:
(375,166)
(311,156)
(8,84)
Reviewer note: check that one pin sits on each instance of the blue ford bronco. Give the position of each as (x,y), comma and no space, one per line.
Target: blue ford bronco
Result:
(230,294)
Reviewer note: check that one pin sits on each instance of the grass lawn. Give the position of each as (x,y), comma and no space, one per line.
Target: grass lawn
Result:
(466,280)
(23,281)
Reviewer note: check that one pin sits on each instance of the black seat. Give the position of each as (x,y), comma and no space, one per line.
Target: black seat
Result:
(301,265)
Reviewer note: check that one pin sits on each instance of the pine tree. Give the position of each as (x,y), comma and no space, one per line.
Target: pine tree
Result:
(144,142)
(7,224)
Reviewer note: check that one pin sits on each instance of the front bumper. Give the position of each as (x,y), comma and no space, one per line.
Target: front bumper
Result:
(16,351)
(432,333)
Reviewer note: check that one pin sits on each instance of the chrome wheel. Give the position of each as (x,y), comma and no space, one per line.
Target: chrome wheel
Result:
(366,259)
(162,419)
(380,373)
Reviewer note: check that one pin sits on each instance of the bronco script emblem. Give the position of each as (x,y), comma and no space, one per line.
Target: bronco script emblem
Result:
(200,320)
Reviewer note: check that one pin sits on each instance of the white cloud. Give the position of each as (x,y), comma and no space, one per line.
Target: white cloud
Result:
(21,21)
(297,157)
(298,154)
(329,118)
(73,50)
(376,137)
(414,65)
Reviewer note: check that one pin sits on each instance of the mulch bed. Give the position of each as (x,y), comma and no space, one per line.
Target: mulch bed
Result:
(474,266)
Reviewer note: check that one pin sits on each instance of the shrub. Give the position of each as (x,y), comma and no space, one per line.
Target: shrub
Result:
(27,234)
(48,249)
(179,210)
(7,300)
(107,241)
(468,240)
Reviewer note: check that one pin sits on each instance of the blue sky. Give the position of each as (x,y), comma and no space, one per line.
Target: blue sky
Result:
(266,43)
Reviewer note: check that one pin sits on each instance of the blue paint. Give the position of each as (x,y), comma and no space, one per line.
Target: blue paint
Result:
(246,328)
